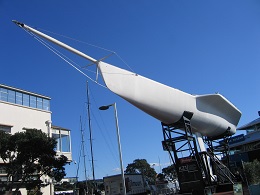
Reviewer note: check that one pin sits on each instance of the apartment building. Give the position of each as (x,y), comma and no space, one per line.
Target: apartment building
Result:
(21,110)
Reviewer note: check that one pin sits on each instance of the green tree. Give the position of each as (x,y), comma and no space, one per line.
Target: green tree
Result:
(142,167)
(29,155)
(169,172)
(252,171)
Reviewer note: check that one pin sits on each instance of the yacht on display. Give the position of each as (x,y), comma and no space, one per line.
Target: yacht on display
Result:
(212,114)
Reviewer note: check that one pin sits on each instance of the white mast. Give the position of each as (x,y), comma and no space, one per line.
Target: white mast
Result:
(65,46)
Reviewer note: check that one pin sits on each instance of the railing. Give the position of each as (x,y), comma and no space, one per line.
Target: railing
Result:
(224,175)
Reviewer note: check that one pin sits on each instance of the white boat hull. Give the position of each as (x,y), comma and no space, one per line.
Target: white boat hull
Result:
(213,115)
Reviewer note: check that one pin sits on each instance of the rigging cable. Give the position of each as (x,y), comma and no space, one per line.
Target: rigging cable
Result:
(92,45)
(106,137)
(62,56)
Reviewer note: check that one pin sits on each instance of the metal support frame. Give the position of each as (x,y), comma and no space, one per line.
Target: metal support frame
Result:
(182,148)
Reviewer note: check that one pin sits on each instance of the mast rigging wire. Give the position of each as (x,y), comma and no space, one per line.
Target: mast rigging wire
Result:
(62,56)
(92,45)
(111,147)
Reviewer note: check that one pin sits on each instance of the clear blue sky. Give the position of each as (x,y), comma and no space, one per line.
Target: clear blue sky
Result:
(199,47)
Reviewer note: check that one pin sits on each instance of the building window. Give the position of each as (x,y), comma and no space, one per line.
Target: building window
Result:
(32,101)
(6,128)
(11,96)
(3,94)
(63,139)
(2,169)
(3,178)
(39,102)
(19,98)
(46,104)
(56,136)
(25,99)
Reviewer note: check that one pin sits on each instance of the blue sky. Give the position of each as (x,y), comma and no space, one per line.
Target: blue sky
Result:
(200,47)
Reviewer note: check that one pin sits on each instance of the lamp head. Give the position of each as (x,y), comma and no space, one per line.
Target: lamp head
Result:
(104,107)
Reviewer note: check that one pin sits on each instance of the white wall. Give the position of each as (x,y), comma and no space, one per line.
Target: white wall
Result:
(23,117)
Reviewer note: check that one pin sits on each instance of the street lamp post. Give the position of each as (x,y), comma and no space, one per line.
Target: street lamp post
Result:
(119,144)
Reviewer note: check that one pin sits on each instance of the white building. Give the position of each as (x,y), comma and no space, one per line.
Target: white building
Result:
(21,110)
